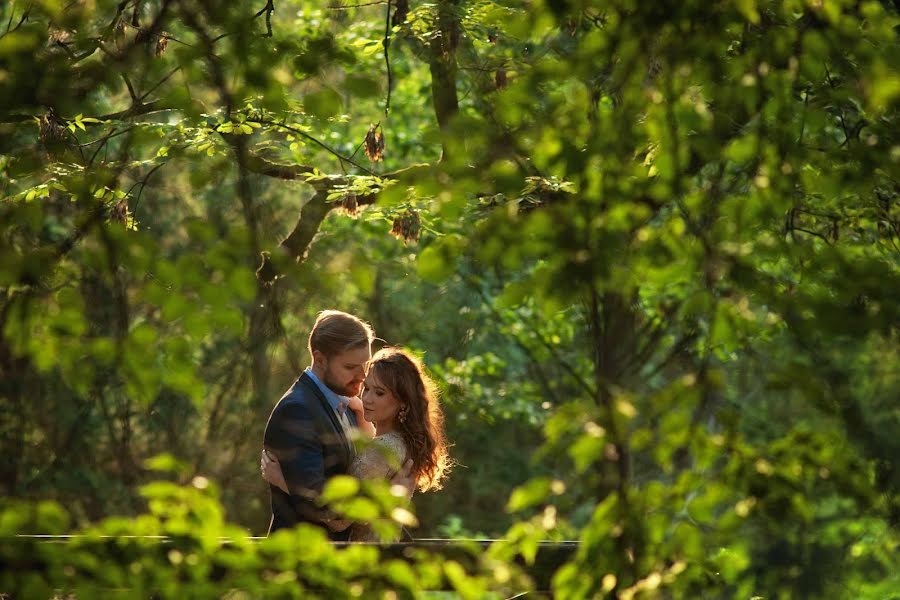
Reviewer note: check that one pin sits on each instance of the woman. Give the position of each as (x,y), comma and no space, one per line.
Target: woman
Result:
(401,401)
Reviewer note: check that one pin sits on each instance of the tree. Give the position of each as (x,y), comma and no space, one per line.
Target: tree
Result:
(674,226)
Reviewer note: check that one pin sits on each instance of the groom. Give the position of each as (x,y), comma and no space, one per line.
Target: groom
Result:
(310,430)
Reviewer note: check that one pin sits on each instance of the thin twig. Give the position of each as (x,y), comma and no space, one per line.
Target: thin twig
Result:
(77,145)
(474,283)
(12,13)
(161,81)
(67,50)
(351,6)
(104,139)
(813,233)
(130,87)
(268,9)
(357,148)
(22,20)
(159,35)
(387,61)
(803,118)
(143,184)
(317,142)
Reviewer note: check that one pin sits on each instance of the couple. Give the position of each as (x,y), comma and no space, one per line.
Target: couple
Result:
(310,433)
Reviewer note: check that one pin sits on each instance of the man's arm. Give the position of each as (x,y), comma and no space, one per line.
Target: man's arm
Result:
(294,440)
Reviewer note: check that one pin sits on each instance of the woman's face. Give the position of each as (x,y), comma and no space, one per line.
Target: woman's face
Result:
(380,404)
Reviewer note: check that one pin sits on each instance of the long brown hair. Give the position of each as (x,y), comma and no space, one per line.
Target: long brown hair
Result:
(423,425)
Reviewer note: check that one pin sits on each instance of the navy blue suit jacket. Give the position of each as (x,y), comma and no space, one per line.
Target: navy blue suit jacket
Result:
(312,445)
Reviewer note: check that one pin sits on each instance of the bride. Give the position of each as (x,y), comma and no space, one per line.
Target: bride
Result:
(401,401)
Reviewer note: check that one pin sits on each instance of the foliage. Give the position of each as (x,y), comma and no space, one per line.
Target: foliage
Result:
(201,556)
(648,250)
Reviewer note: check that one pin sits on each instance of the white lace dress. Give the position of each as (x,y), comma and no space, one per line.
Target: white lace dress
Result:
(380,459)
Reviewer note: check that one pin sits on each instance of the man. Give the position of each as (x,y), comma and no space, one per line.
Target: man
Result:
(310,430)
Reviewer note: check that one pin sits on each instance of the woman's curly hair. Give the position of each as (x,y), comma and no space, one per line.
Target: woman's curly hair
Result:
(423,425)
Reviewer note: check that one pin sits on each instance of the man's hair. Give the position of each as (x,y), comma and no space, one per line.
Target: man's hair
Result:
(335,332)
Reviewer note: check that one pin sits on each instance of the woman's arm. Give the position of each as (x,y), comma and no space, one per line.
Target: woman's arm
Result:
(271,471)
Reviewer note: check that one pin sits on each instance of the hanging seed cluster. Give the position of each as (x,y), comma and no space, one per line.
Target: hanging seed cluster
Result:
(153,41)
(119,212)
(500,79)
(407,226)
(400,13)
(349,205)
(59,36)
(162,42)
(374,144)
(51,130)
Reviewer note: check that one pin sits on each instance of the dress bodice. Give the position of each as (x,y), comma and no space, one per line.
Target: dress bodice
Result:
(380,459)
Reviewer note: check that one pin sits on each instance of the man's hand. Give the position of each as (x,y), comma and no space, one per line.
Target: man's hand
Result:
(404,479)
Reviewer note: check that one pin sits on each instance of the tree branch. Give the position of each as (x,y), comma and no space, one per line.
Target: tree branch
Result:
(318,142)
(268,9)
(387,60)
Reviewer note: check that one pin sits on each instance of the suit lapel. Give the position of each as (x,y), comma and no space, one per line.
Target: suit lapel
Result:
(341,430)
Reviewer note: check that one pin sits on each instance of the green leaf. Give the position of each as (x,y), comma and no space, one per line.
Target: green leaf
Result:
(358,509)
(165,463)
(529,494)
(323,103)
(586,450)
(340,488)
(742,149)
(748,9)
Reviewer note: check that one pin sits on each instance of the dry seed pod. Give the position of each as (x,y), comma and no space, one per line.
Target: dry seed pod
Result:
(119,212)
(143,36)
(407,225)
(400,13)
(500,79)
(51,131)
(59,36)
(162,42)
(374,144)
(349,205)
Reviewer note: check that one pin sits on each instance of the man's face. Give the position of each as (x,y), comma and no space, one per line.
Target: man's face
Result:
(346,371)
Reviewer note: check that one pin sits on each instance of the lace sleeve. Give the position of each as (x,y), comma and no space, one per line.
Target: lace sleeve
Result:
(381,459)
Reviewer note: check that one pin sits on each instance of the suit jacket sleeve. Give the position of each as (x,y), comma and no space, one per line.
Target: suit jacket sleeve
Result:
(293,438)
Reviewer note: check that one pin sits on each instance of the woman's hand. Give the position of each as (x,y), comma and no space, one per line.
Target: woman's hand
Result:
(404,479)
(338,524)
(271,471)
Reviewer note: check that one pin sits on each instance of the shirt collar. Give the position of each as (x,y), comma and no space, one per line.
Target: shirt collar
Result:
(337,402)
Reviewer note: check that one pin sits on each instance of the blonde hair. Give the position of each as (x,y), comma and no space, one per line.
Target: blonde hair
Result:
(335,332)
(423,425)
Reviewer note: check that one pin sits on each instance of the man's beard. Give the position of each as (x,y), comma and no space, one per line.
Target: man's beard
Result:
(337,388)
